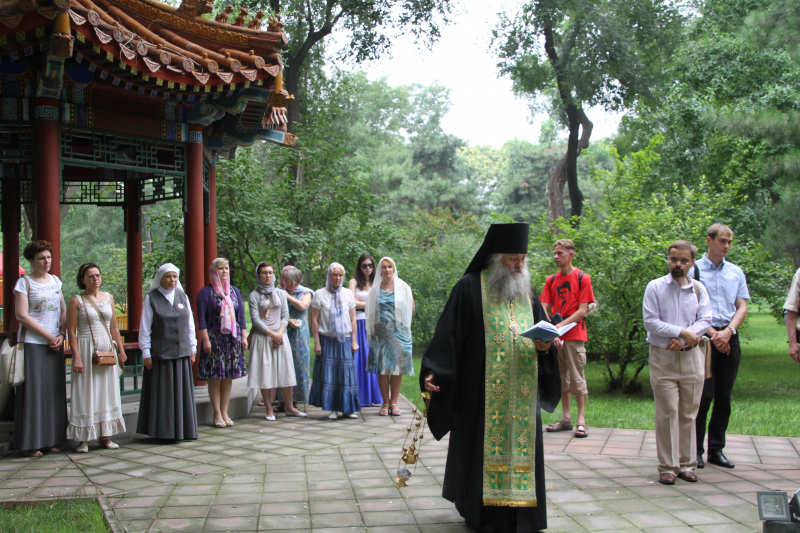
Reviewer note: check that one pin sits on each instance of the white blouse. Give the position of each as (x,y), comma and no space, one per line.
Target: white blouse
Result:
(146,324)
(322,300)
(44,306)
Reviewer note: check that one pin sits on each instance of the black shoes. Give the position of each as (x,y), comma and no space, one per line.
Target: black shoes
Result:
(717,458)
(700,462)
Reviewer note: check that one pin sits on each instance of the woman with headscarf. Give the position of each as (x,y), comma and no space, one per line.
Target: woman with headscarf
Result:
(299,300)
(169,346)
(390,306)
(333,323)
(271,365)
(223,331)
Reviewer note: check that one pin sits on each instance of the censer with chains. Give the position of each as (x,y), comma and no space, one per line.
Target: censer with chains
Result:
(410,454)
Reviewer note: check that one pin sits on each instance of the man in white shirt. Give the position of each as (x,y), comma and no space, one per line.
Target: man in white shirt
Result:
(677,311)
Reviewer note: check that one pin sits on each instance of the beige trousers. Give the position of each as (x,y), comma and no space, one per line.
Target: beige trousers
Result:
(677,381)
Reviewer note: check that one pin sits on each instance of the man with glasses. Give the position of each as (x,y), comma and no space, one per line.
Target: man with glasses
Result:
(676,312)
(727,289)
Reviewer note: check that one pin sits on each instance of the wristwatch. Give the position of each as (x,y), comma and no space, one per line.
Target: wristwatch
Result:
(733,330)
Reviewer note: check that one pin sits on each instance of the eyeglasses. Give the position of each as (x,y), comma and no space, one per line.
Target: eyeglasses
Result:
(367,265)
(675,261)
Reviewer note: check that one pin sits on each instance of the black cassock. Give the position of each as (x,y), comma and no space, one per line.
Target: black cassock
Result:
(457,355)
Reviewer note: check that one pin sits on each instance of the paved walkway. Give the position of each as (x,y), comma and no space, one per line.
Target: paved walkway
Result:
(314,474)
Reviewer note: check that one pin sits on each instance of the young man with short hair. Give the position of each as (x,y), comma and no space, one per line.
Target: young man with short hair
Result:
(727,289)
(676,311)
(569,292)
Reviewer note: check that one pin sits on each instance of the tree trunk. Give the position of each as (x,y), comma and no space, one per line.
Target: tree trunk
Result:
(555,190)
(796,257)
(65,208)
(30,219)
(567,169)
(291,84)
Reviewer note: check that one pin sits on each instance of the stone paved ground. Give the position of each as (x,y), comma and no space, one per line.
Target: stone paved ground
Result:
(314,474)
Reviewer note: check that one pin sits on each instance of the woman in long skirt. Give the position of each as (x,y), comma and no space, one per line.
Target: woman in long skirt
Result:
(299,300)
(390,306)
(40,409)
(368,390)
(169,347)
(271,365)
(220,318)
(334,386)
(95,403)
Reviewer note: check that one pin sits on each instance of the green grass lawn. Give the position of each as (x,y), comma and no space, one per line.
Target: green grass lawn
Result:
(64,516)
(765,397)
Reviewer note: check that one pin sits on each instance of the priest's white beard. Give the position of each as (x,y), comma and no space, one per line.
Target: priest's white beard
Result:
(506,284)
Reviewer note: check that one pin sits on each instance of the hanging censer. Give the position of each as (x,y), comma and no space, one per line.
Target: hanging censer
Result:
(410,454)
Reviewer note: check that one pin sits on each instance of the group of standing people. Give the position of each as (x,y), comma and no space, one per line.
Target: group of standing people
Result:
(347,373)
(359,333)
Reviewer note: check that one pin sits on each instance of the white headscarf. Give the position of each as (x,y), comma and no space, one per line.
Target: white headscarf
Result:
(338,315)
(163,269)
(402,300)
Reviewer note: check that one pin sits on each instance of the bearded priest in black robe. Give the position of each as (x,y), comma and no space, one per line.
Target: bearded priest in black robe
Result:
(488,383)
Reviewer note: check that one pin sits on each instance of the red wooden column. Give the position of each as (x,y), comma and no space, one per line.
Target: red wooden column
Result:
(133,228)
(11,207)
(47,176)
(194,263)
(210,229)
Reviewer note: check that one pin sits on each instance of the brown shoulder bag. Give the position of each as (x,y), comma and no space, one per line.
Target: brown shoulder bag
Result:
(99,358)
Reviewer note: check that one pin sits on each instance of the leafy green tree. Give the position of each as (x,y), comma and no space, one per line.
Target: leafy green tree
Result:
(437,246)
(582,53)
(730,112)
(366,29)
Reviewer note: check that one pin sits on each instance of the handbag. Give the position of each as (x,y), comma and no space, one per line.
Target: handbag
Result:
(12,358)
(100,358)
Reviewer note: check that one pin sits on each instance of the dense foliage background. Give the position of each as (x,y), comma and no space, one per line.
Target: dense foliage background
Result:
(709,93)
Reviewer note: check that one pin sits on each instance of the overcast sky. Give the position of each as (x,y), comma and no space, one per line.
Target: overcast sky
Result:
(485,111)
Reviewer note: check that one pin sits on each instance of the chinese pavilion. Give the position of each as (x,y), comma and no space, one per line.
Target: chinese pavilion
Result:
(125,103)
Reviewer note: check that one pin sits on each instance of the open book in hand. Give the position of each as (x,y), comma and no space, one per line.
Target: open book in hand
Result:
(545,331)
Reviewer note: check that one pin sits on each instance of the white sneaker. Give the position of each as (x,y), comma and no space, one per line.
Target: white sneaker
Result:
(350,415)
(83,448)
(333,416)
(270,418)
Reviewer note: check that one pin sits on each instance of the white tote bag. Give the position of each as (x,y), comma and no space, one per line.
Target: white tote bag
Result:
(12,358)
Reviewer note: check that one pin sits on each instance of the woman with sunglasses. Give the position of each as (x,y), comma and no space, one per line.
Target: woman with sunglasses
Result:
(368,389)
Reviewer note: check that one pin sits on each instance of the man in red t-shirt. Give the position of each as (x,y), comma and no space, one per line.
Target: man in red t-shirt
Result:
(569,292)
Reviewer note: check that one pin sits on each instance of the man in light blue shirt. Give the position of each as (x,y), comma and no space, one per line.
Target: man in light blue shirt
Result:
(727,288)
(676,311)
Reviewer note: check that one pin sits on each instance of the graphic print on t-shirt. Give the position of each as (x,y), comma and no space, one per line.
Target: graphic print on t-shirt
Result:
(561,292)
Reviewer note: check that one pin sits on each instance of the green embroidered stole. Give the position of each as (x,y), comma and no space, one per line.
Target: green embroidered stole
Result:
(509,435)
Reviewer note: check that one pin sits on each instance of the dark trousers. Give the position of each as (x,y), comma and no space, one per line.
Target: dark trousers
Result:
(718,388)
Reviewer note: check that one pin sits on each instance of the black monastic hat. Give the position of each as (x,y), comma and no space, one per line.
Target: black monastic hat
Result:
(500,239)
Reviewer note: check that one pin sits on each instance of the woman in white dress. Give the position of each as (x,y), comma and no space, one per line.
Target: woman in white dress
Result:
(95,404)
(271,363)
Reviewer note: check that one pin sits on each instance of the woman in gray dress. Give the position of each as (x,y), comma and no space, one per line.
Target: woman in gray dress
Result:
(271,364)
(169,347)
(40,415)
